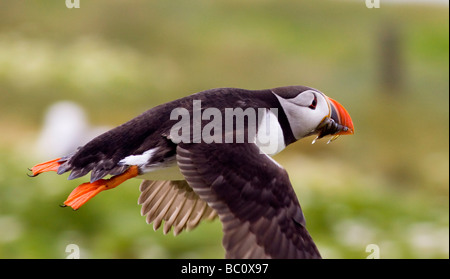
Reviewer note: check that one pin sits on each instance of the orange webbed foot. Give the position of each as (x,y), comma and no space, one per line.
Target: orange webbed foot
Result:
(87,191)
(52,165)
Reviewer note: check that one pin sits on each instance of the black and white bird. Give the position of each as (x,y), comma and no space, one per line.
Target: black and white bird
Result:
(208,155)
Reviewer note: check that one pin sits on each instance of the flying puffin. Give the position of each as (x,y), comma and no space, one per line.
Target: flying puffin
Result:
(209,154)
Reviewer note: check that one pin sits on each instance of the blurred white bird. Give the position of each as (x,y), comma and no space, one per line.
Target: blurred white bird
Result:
(65,128)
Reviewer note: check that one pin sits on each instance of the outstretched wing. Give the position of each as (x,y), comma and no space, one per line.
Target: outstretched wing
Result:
(253,197)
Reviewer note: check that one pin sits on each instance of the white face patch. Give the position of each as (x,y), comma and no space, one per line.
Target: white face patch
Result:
(305,111)
(138,160)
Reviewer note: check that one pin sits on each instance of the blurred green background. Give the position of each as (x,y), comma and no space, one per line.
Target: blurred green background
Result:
(387,185)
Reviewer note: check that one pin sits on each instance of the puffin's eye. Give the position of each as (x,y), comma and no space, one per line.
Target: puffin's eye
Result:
(314,103)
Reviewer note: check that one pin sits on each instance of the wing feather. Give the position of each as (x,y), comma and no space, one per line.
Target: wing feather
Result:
(173,202)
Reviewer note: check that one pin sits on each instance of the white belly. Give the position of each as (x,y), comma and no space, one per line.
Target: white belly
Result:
(167,170)
(166,173)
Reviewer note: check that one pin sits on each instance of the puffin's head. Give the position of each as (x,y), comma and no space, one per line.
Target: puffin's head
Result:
(310,112)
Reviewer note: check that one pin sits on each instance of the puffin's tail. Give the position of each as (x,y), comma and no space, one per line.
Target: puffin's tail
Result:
(85,191)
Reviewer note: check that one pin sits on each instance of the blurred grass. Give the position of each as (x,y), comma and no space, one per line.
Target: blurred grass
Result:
(387,185)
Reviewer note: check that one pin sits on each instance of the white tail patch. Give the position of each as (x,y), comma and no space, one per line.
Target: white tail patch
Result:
(138,160)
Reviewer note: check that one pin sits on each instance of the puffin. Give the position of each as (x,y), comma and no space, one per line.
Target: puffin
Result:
(209,155)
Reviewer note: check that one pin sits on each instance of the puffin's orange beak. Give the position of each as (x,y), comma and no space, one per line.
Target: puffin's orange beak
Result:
(336,123)
(340,115)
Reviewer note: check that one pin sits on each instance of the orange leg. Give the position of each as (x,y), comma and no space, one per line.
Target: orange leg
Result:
(87,191)
(52,165)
